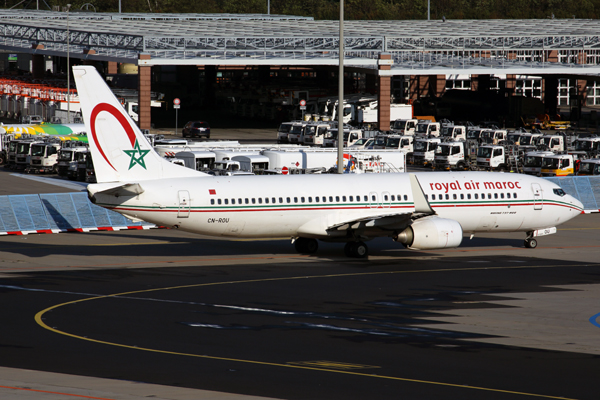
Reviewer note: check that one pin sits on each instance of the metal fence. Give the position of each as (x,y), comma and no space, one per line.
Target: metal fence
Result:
(58,212)
(584,188)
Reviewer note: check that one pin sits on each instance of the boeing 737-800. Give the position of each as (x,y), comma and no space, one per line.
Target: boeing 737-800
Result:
(430,210)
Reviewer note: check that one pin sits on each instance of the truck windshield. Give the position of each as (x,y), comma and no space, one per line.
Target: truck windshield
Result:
(586,168)
(392,143)
(421,146)
(37,150)
(583,145)
(444,150)
(447,131)
(525,140)
(296,129)
(550,163)
(23,148)
(399,125)
(484,152)
(422,128)
(285,128)
(533,161)
(65,156)
(472,134)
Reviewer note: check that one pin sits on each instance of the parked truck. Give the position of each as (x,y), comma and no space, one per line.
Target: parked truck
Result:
(44,158)
(424,150)
(499,158)
(457,155)
(426,128)
(200,160)
(558,165)
(454,133)
(589,167)
(68,159)
(532,162)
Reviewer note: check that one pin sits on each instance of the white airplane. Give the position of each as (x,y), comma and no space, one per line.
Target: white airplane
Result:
(423,211)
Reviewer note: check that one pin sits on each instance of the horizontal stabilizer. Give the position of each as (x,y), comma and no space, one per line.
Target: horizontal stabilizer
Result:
(125,190)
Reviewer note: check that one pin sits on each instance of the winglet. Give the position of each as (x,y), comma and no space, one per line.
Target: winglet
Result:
(119,149)
(421,203)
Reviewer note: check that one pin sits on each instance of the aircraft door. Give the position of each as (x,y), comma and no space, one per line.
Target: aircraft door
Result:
(538,199)
(183,210)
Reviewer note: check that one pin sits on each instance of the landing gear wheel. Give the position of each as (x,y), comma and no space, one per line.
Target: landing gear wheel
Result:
(530,243)
(356,250)
(306,246)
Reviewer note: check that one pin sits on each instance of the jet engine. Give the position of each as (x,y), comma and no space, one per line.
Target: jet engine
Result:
(431,233)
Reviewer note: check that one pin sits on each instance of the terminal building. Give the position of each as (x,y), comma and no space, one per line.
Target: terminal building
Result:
(262,65)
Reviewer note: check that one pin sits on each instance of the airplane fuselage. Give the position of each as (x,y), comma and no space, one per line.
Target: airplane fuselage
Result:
(306,205)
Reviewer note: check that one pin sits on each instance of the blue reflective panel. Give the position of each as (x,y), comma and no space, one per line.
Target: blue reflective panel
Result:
(7,215)
(60,211)
(21,211)
(82,208)
(36,210)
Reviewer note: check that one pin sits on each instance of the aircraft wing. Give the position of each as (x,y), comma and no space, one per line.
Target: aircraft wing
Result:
(121,190)
(373,225)
(386,222)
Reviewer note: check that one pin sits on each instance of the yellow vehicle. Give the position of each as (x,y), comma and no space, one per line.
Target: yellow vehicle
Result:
(558,165)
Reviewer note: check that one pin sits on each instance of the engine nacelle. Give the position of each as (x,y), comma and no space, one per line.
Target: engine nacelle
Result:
(431,233)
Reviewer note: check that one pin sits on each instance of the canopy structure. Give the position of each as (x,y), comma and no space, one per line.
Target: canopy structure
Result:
(417,47)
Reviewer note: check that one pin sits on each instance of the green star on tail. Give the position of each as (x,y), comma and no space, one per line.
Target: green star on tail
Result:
(141,154)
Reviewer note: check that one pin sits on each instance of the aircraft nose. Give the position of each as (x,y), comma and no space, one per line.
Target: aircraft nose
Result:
(576,203)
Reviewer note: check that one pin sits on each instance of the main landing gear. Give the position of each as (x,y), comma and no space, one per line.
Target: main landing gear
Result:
(351,249)
(306,245)
(356,250)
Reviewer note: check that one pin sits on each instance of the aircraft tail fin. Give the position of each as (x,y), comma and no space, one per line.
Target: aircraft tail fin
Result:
(119,149)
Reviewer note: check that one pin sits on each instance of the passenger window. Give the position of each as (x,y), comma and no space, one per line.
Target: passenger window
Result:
(393,198)
(462,196)
(310,199)
(226,201)
(302,199)
(454,196)
(447,196)
(501,195)
(508,195)
(232,201)
(239,201)
(288,200)
(351,198)
(273,200)
(219,201)
(489,195)
(295,199)
(514,195)
(469,196)
(247,201)
(373,198)
(495,195)
(366,198)
(260,200)
(426,197)
(266,200)
(433,197)
(405,197)
(212,201)
(337,199)
(324,199)
(317,199)
(344,199)
(331,199)
(385,197)
(280,200)
(253,200)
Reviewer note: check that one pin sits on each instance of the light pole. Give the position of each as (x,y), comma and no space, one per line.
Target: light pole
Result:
(68,72)
(340,154)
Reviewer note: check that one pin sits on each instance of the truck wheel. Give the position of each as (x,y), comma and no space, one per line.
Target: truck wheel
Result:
(460,165)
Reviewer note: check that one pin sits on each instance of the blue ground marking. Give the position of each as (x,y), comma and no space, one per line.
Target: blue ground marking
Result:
(594,321)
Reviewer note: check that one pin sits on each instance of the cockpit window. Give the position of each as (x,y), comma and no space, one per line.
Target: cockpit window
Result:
(559,192)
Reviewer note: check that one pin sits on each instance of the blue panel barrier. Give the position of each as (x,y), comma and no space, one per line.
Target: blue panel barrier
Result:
(58,212)
(584,188)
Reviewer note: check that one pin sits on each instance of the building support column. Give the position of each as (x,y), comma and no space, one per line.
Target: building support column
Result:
(38,65)
(144,96)
(384,93)
(113,68)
